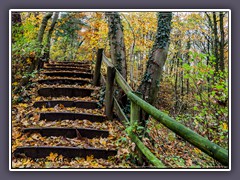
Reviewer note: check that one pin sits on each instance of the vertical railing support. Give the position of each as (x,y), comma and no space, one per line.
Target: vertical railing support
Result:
(135,115)
(135,111)
(109,92)
(97,72)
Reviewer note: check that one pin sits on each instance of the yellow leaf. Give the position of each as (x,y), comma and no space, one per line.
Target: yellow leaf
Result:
(44,109)
(198,151)
(52,156)
(48,165)
(90,158)
(23,105)
(224,126)
(103,142)
(29,61)
(60,158)
(15,83)
(37,98)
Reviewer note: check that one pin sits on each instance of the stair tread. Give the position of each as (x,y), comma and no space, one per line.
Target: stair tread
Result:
(64,91)
(66,103)
(69,132)
(53,116)
(63,81)
(71,152)
(68,74)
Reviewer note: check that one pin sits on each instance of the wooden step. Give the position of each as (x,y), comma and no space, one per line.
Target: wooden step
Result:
(70,65)
(70,152)
(72,62)
(79,104)
(64,81)
(68,74)
(58,116)
(70,92)
(67,132)
(51,68)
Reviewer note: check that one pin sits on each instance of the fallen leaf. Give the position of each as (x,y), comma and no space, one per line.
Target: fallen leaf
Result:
(52,156)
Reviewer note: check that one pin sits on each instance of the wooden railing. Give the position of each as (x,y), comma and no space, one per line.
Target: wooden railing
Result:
(210,148)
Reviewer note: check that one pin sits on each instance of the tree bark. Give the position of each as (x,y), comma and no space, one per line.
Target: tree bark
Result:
(116,40)
(38,63)
(215,41)
(50,31)
(43,26)
(150,84)
(222,67)
(131,59)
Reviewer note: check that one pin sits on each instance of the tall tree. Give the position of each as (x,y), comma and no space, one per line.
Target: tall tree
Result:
(41,31)
(116,40)
(215,31)
(150,84)
(221,62)
(43,26)
(50,31)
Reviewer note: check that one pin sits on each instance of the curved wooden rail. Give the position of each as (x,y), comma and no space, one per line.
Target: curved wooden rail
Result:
(210,148)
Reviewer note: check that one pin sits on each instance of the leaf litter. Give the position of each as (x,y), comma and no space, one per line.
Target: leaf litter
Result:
(24,115)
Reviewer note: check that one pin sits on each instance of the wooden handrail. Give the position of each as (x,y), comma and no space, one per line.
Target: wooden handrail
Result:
(210,148)
(192,137)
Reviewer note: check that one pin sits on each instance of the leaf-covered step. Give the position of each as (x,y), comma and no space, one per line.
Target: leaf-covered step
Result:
(64,81)
(54,116)
(79,104)
(71,62)
(69,65)
(68,74)
(70,92)
(52,68)
(70,152)
(68,132)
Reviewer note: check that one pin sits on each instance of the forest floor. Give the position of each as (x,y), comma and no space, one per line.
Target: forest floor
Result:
(171,149)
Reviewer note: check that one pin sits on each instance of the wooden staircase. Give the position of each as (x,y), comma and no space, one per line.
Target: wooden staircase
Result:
(66,74)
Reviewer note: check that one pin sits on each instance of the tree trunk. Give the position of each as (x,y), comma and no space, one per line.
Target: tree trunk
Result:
(50,31)
(117,49)
(38,63)
(221,63)
(150,84)
(43,26)
(116,40)
(215,41)
(16,22)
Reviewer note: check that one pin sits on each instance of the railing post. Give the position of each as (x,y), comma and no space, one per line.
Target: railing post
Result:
(97,72)
(135,111)
(135,115)
(109,91)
